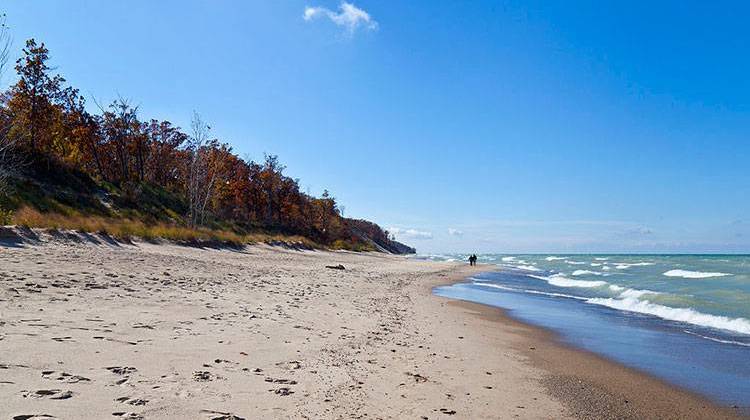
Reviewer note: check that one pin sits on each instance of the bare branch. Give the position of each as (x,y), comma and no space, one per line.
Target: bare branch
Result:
(5,44)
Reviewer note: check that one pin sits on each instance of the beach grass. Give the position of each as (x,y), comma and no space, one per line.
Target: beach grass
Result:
(128,229)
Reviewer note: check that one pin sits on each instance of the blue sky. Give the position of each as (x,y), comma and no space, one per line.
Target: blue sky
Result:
(463,126)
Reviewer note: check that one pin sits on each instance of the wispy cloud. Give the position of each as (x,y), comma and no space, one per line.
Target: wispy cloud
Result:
(410,233)
(349,17)
(455,232)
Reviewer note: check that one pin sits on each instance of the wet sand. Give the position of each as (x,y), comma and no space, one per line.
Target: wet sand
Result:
(90,328)
(591,386)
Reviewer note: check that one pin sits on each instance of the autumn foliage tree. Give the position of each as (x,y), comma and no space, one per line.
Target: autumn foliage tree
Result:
(51,124)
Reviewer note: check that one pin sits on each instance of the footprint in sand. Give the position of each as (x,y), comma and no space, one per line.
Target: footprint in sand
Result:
(204,376)
(127,415)
(52,394)
(121,370)
(132,401)
(219,415)
(64,377)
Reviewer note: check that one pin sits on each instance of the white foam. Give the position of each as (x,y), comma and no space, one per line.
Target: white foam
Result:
(606,268)
(601,259)
(625,266)
(536,292)
(693,274)
(554,258)
(585,272)
(687,315)
(508,259)
(637,293)
(631,293)
(561,281)
(718,340)
(575,262)
(527,267)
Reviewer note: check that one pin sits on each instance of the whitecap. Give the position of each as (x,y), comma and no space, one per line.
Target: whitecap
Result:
(637,293)
(625,266)
(585,272)
(575,262)
(693,274)
(507,259)
(561,281)
(553,258)
(687,315)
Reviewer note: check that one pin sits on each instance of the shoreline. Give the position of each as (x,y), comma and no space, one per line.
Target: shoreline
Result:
(152,331)
(589,384)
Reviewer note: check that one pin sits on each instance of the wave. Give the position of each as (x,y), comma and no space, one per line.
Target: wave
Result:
(686,315)
(718,340)
(521,265)
(526,267)
(585,272)
(624,292)
(602,259)
(637,293)
(625,266)
(575,262)
(554,258)
(508,259)
(693,274)
(536,292)
(561,281)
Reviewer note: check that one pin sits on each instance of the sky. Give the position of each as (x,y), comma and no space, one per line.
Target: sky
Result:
(483,126)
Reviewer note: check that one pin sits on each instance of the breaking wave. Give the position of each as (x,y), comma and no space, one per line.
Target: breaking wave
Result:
(687,315)
(693,274)
(561,281)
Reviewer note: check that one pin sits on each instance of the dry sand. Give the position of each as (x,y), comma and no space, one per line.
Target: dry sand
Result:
(109,331)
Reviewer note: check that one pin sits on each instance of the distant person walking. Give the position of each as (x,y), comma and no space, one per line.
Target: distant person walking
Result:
(473,260)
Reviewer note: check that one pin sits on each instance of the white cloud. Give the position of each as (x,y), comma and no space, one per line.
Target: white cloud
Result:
(410,233)
(350,17)
(455,232)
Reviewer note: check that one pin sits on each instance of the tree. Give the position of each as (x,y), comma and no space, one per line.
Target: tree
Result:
(201,177)
(33,100)
(163,157)
(9,162)
(122,133)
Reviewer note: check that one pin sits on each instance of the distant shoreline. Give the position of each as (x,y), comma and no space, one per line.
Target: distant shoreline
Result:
(589,384)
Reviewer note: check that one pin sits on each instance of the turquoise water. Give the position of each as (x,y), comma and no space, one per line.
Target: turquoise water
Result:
(684,318)
(704,290)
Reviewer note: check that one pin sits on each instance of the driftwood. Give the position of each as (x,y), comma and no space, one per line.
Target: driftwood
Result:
(336,267)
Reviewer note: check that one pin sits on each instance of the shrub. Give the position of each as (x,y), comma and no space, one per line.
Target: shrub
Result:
(6,217)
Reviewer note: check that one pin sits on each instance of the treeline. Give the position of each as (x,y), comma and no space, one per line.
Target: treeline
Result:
(48,125)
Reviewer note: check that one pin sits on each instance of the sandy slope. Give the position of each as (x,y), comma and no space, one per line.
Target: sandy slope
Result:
(163,331)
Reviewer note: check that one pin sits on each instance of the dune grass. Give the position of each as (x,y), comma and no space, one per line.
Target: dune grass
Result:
(127,229)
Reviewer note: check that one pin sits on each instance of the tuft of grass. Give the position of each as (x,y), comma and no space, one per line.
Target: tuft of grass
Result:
(6,217)
(352,246)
